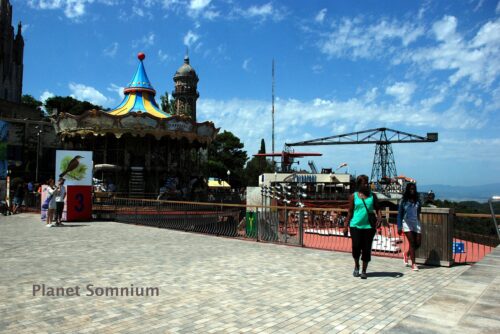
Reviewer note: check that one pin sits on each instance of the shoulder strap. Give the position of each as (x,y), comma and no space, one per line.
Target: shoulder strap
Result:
(365,205)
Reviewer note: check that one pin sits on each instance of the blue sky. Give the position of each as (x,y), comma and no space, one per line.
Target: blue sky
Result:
(341,66)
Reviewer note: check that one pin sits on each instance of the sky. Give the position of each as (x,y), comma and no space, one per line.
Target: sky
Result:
(340,67)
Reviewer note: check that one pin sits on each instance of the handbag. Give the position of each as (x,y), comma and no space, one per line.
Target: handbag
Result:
(45,204)
(372,218)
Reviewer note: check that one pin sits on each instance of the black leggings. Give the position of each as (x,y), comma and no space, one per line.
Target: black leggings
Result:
(362,240)
(59,211)
(414,239)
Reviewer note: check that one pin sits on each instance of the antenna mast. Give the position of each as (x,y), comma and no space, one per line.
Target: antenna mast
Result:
(274,162)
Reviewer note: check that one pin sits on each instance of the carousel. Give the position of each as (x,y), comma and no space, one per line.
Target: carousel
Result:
(136,146)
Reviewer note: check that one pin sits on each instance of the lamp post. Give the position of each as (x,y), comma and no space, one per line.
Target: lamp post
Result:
(228,175)
(38,132)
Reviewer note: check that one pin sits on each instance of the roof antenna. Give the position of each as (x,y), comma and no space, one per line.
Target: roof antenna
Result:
(186,57)
(274,162)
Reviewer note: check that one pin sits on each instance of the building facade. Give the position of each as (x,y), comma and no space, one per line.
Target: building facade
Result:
(11,56)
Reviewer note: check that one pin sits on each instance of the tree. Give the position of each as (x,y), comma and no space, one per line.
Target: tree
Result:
(167,104)
(262,146)
(257,166)
(33,103)
(68,104)
(30,101)
(226,154)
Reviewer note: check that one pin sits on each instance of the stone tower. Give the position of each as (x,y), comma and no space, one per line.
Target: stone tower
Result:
(185,93)
(11,56)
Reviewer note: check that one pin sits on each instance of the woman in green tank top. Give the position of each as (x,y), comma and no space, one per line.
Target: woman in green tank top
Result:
(360,204)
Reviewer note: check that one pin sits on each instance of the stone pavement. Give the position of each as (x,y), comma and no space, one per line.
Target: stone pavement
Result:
(206,284)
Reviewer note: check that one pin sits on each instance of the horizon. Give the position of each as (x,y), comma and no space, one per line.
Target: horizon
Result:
(340,68)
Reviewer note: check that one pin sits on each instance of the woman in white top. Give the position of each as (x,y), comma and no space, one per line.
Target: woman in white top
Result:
(409,223)
(52,203)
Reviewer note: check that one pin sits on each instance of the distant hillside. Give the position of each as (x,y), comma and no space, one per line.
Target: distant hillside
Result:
(462,193)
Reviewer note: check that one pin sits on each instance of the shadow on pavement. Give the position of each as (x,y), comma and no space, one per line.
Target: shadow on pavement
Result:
(71,225)
(385,274)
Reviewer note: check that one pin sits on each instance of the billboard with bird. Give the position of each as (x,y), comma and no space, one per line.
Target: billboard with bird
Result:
(74,166)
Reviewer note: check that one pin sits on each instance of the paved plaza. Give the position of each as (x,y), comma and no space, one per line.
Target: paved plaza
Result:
(209,284)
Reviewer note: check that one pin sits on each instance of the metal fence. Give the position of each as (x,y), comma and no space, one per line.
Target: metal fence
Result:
(31,203)
(305,227)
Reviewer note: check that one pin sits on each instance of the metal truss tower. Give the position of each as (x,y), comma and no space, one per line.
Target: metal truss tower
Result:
(384,166)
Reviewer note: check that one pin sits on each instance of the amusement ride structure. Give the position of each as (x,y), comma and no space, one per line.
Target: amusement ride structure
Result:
(384,166)
(141,143)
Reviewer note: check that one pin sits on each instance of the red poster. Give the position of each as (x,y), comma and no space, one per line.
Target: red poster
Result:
(79,203)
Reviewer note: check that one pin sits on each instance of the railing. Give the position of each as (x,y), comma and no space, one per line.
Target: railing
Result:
(446,236)
(474,237)
(31,203)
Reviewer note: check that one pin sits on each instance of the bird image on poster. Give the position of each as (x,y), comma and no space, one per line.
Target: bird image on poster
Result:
(73,167)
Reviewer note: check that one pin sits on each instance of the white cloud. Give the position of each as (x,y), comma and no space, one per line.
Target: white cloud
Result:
(163,56)
(246,64)
(190,38)
(446,28)
(320,17)
(138,11)
(402,91)
(476,59)
(198,4)
(111,50)
(73,9)
(317,69)
(116,89)
(295,118)
(211,14)
(195,8)
(262,12)
(45,95)
(371,95)
(87,93)
(25,28)
(145,41)
(351,38)
(170,3)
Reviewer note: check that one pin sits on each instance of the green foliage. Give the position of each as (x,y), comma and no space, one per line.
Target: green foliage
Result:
(255,167)
(467,206)
(226,153)
(76,174)
(262,146)
(69,105)
(31,102)
(167,104)
(478,230)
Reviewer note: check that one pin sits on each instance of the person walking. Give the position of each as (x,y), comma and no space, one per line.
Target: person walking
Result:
(362,203)
(51,199)
(409,223)
(60,196)
(18,197)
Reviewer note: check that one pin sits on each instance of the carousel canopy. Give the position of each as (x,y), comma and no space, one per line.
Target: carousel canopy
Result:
(139,95)
(137,115)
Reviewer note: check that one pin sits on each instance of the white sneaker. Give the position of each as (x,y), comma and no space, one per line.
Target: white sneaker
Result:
(48,225)
(405,260)
(414,267)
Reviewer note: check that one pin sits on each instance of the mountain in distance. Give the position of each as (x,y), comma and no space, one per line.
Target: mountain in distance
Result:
(481,193)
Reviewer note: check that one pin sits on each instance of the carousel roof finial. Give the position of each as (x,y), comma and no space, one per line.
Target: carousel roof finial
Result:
(139,95)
